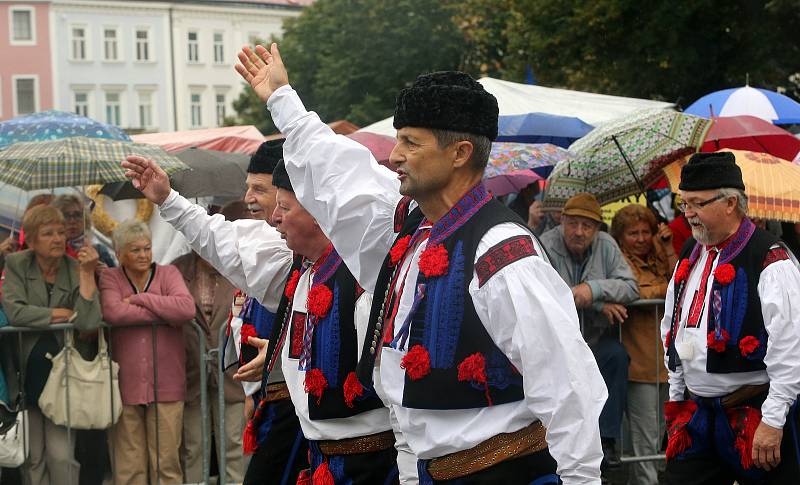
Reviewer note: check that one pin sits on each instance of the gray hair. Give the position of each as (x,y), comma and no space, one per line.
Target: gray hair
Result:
(741,198)
(481,145)
(64,201)
(129,231)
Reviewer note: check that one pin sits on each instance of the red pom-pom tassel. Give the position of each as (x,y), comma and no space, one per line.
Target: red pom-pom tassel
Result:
(683,271)
(473,368)
(352,389)
(718,345)
(434,261)
(398,250)
(725,273)
(291,284)
(417,362)
(323,475)
(248,330)
(677,414)
(320,299)
(249,438)
(315,383)
(748,345)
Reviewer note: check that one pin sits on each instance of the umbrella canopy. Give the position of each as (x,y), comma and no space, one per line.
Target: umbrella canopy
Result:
(541,128)
(622,158)
(52,125)
(761,103)
(208,169)
(239,139)
(76,161)
(752,134)
(508,157)
(511,182)
(772,185)
(381,146)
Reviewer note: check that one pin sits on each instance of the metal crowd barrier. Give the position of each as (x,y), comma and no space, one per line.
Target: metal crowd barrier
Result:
(204,358)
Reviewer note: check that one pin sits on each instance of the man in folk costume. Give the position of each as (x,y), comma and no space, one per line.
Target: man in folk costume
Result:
(472,334)
(250,254)
(732,340)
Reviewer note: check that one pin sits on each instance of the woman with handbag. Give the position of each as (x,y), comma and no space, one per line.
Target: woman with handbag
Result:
(147,305)
(43,286)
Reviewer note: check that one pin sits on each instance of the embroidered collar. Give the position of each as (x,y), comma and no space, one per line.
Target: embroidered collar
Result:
(459,214)
(326,266)
(732,246)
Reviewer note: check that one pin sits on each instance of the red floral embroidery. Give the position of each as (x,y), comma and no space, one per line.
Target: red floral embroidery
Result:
(473,368)
(417,362)
(718,345)
(683,271)
(315,383)
(399,249)
(291,285)
(748,345)
(725,273)
(320,299)
(352,389)
(434,261)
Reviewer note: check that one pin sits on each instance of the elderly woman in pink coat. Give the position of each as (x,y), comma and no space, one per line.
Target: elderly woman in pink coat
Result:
(148,304)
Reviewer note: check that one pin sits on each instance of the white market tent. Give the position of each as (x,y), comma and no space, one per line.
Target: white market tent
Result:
(516,98)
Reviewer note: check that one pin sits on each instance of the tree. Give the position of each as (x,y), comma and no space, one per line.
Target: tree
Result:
(348,59)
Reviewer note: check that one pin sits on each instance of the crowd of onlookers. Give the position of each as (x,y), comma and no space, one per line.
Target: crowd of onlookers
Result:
(54,273)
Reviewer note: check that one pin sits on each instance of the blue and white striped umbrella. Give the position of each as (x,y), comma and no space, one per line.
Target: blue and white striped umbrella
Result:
(767,105)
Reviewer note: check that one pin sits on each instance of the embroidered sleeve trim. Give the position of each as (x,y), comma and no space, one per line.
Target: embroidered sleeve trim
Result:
(400,213)
(501,255)
(774,255)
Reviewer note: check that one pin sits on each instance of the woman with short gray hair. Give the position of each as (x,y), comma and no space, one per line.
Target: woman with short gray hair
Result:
(153,302)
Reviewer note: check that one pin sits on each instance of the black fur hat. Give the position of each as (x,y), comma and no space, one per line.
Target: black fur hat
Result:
(266,157)
(280,178)
(447,100)
(716,170)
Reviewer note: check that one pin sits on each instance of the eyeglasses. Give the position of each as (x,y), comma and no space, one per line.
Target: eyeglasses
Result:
(694,206)
(73,216)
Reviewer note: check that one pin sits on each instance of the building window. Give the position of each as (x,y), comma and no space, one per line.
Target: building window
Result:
(193,48)
(22,26)
(82,104)
(78,43)
(25,95)
(142,45)
(196,111)
(220,105)
(113,109)
(110,44)
(219,48)
(145,110)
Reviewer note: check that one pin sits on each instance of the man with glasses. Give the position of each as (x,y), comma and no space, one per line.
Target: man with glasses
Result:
(732,339)
(591,263)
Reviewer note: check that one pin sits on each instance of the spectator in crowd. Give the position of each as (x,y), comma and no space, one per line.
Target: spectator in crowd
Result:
(213,296)
(12,243)
(591,263)
(43,286)
(647,248)
(78,224)
(151,357)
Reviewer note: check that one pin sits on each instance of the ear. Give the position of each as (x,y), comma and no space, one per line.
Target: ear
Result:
(463,152)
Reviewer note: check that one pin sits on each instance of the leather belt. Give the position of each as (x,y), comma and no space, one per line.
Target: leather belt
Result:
(739,396)
(277,391)
(361,444)
(496,449)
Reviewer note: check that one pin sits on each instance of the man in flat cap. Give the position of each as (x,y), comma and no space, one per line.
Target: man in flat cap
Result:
(732,337)
(473,336)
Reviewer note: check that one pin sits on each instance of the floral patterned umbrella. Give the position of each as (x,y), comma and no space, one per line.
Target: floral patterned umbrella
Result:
(508,157)
(623,157)
(52,125)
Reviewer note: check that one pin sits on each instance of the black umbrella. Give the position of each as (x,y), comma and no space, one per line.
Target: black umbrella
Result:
(212,174)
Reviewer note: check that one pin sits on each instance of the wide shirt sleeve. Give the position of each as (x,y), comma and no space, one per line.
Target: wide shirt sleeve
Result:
(338,181)
(249,253)
(530,315)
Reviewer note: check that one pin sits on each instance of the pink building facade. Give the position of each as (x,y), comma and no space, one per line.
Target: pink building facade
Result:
(26,79)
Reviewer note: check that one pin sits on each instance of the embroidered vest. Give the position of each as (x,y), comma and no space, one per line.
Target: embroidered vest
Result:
(334,345)
(737,338)
(445,323)
(257,315)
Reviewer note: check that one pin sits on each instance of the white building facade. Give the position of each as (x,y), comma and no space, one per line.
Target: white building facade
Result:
(156,66)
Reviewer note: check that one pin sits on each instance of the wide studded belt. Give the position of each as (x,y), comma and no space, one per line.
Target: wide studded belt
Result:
(277,391)
(354,446)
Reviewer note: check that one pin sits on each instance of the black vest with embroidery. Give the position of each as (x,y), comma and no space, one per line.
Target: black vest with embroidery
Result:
(334,346)
(446,325)
(738,312)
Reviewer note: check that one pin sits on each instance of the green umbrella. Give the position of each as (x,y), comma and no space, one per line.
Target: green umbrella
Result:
(623,157)
(76,161)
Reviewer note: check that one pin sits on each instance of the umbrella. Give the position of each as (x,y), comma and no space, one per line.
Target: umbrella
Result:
(212,174)
(511,182)
(52,125)
(621,158)
(381,146)
(753,134)
(541,128)
(761,103)
(76,161)
(772,185)
(506,157)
